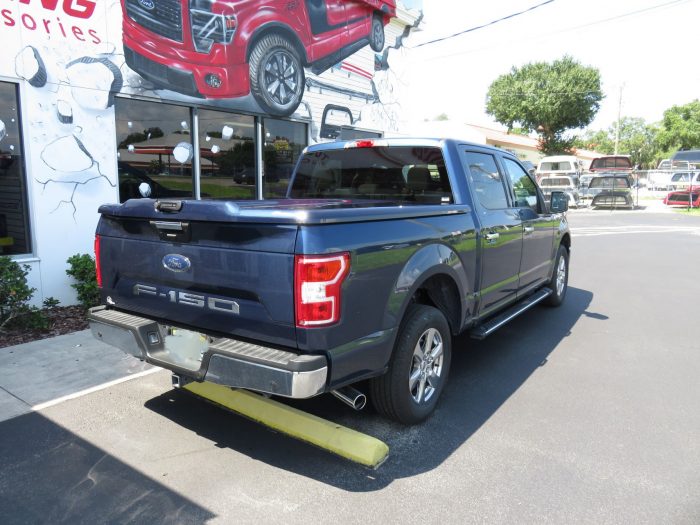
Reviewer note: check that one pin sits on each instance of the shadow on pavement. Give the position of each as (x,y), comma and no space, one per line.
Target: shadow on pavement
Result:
(50,475)
(484,374)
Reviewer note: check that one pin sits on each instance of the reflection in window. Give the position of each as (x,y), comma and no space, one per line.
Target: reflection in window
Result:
(284,142)
(14,219)
(486,180)
(227,155)
(154,146)
(523,187)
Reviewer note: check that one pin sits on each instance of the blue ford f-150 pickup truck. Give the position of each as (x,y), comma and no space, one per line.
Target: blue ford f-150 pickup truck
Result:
(380,253)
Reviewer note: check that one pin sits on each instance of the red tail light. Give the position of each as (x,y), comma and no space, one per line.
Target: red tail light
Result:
(317,283)
(98,267)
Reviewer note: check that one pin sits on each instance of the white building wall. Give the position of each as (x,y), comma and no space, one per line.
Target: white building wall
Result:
(71,166)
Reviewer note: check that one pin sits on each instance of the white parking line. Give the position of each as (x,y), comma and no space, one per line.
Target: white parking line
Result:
(616,230)
(97,388)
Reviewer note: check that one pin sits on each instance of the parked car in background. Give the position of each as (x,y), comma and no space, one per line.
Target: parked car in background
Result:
(529,166)
(683,179)
(565,184)
(583,183)
(565,165)
(683,198)
(609,163)
(689,156)
(612,191)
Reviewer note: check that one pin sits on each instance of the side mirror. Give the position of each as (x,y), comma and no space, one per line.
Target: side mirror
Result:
(559,202)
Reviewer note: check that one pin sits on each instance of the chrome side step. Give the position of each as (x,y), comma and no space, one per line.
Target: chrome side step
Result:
(493,324)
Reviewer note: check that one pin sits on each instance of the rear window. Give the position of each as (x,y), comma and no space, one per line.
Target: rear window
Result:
(610,182)
(681,197)
(680,177)
(404,174)
(556,166)
(611,162)
(555,181)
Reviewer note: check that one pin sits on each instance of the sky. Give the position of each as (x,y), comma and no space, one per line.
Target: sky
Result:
(653,56)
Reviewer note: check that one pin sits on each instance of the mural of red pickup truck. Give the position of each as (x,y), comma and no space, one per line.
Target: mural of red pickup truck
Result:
(228,49)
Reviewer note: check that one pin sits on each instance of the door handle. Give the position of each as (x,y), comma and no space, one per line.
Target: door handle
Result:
(528,229)
(492,236)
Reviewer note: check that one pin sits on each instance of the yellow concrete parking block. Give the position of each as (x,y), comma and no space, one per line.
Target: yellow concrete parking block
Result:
(340,440)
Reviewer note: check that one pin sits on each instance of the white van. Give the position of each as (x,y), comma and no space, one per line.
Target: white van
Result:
(561,165)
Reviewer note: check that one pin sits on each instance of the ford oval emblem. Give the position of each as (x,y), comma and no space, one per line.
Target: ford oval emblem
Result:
(176,263)
(148,4)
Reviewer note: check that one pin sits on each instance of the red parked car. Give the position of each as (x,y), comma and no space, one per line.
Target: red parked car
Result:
(682,198)
(229,48)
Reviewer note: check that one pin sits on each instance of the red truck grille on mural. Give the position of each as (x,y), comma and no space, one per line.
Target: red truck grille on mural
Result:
(228,49)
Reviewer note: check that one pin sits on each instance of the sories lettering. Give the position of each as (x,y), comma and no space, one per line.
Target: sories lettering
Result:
(51,24)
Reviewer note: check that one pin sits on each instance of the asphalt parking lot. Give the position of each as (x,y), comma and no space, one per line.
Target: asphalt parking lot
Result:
(583,414)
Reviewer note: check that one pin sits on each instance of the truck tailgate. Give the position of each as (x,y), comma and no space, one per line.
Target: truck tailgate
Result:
(226,278)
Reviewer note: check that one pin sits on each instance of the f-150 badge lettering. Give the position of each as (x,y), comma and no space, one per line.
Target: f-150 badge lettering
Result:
(215,304)
(176,263)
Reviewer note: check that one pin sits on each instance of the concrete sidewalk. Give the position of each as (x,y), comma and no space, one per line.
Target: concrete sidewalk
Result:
(35,373)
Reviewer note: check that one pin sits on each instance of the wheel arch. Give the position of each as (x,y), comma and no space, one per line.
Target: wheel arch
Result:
(277,28)
(566,241)
(433,276)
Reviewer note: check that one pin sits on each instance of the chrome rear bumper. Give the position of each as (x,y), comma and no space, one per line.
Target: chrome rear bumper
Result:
(218,360)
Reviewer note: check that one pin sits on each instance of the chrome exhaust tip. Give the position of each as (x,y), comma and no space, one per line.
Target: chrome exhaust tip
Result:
(351,397)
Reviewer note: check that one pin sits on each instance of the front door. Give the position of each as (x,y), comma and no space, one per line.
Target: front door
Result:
(538,228)
(501,235)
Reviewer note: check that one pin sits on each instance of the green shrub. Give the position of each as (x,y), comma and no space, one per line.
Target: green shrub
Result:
(15,293)
(82,269)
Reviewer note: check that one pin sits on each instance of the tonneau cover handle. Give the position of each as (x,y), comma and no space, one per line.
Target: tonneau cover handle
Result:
(168,206)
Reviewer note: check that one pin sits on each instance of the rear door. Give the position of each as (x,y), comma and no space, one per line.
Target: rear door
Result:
(538,227)
(500,238)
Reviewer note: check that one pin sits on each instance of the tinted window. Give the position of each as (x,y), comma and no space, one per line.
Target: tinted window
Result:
(524,188)
(154,145)
(555,181)
(14,219)
(611,162)
(405,174)
(680,177)
(486,180)
(284,142)
(610,182)
(227,155)
(555,166)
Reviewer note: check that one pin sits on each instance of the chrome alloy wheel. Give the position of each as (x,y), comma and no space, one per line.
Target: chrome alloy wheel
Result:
(282,77)
(426,367)
(561,276)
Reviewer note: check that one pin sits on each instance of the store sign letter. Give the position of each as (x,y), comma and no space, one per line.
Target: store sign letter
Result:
(75,8)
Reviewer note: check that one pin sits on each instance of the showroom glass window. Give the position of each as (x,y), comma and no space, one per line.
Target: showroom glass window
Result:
(227,155)
(14,218)
(284,142)
(154,146)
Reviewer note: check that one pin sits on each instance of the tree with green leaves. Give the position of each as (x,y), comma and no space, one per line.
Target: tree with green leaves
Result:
(548,98)
(681,127)
(636,138)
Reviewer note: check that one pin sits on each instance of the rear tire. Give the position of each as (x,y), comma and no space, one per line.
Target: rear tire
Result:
(560,278)
(410,389)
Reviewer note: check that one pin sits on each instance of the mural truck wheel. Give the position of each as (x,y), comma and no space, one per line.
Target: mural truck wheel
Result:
(276,75)
(376,35)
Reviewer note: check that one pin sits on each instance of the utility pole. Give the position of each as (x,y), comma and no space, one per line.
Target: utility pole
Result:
(619,113)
